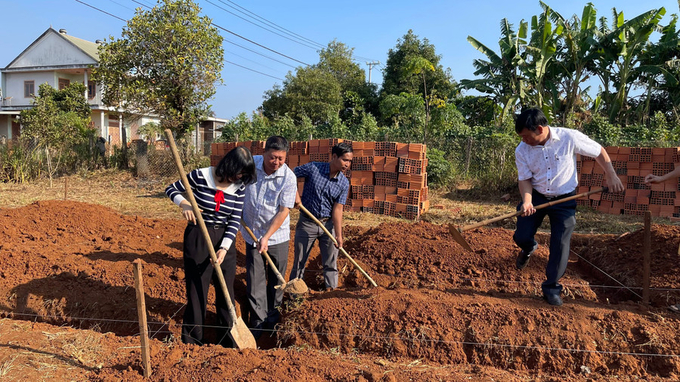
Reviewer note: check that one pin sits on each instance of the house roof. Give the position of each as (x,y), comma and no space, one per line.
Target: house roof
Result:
(90,49)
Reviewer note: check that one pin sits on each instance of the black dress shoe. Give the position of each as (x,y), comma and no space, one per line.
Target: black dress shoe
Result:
(523,258)
(553,299)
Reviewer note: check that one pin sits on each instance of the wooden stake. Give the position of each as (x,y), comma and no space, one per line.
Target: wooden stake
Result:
(65,187)
(646,254)
(141,313)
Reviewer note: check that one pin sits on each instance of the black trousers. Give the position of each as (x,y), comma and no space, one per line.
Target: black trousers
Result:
(198,271)
(261,280)
(562,223)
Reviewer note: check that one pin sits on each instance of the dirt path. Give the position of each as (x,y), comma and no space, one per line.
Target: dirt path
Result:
(68,309)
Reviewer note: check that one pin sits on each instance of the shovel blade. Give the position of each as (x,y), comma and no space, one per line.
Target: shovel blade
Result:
(458,237)
(243,338)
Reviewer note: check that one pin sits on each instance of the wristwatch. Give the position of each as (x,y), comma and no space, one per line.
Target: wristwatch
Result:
(225,249)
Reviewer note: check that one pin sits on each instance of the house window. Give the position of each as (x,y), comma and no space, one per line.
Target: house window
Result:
(91,89)
(64,82)
(29,89)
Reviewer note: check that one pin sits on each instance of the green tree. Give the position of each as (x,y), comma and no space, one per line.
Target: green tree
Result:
(573,60)
(619,51)
(311,92)
(166,62)
(57,122)
(336,85)
(397,79)
(501,75)
(541,52)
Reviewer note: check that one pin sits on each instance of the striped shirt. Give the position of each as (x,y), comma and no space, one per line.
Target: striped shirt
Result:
(552,166)
(321,192)
(202,183)
(263,199)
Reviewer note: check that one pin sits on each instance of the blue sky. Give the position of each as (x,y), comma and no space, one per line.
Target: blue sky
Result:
(371,27)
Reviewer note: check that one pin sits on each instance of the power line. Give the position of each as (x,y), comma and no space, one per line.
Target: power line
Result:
(258,53)
(250,41)
(260,26)
(247,59)
(102,11)
(253,70)
(124,6)
(241,66)
(270,23)
(258,44)
(280,28)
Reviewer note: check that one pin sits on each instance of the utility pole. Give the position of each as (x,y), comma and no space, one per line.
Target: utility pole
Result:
(370,66)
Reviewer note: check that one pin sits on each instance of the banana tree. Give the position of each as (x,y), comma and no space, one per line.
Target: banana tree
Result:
(540,55)
(619,52)
(501,73)
(572,62)
(660,72)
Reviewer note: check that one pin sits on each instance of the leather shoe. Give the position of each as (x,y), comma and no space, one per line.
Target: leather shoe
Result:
(553,299)
(523,258)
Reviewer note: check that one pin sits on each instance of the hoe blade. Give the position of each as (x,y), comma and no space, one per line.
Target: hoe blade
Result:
(458,237)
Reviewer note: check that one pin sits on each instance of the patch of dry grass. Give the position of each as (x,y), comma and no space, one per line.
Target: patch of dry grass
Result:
(129,195)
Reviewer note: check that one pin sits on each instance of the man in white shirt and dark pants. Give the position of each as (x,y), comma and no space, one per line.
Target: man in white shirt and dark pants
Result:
(546,167)
(266,211)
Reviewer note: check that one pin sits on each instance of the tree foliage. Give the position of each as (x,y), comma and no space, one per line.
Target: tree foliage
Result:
(399,75)
(57,122)
(166,63)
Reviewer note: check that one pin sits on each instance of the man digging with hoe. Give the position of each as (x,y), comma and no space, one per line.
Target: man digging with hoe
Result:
(546,168)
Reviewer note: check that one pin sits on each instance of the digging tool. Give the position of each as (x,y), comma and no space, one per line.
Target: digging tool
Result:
(239,332)
(323,227)
(456,232)
(295,286)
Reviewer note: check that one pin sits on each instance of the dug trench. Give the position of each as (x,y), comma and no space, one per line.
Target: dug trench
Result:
(69,264)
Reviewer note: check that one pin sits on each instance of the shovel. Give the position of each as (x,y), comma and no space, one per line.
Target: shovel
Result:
(240,333)
(295,286)
(323,227)
(456,232)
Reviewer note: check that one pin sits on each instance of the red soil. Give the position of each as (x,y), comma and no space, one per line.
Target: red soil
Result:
(439,312)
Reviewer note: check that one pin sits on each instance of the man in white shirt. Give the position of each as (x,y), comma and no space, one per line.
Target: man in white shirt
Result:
(546,168)
(266,211)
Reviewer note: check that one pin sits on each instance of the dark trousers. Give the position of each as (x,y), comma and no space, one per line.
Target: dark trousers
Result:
(263,298)
(198,271)
(306,233)
(562,223)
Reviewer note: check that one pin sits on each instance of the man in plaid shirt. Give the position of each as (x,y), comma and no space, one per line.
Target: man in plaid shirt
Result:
(324,195)
(266,212)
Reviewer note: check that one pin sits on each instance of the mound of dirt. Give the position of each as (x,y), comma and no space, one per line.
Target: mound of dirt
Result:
(622,258)
(458,314)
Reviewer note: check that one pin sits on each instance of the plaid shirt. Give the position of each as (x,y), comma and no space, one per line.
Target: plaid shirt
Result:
(263,199)
(321,192)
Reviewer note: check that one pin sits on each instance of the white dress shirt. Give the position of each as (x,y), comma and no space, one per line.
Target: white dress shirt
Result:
(552,166)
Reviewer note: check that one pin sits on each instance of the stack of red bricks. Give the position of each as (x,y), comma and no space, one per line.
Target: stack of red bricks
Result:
(632,164)
(386,178)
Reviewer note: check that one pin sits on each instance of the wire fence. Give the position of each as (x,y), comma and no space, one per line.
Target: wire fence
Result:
(430,341)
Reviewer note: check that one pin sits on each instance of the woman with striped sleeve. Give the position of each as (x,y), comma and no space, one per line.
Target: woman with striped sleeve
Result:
(219,192)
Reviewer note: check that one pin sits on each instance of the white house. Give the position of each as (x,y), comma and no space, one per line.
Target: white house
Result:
(59,59)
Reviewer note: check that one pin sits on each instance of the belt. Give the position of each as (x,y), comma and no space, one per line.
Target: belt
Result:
(323,220)
(555,197)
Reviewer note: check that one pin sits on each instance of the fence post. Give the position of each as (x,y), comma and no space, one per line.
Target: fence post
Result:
(141,313)
(646,254)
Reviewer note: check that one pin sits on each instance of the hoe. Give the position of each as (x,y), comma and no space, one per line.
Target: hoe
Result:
(456,232)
